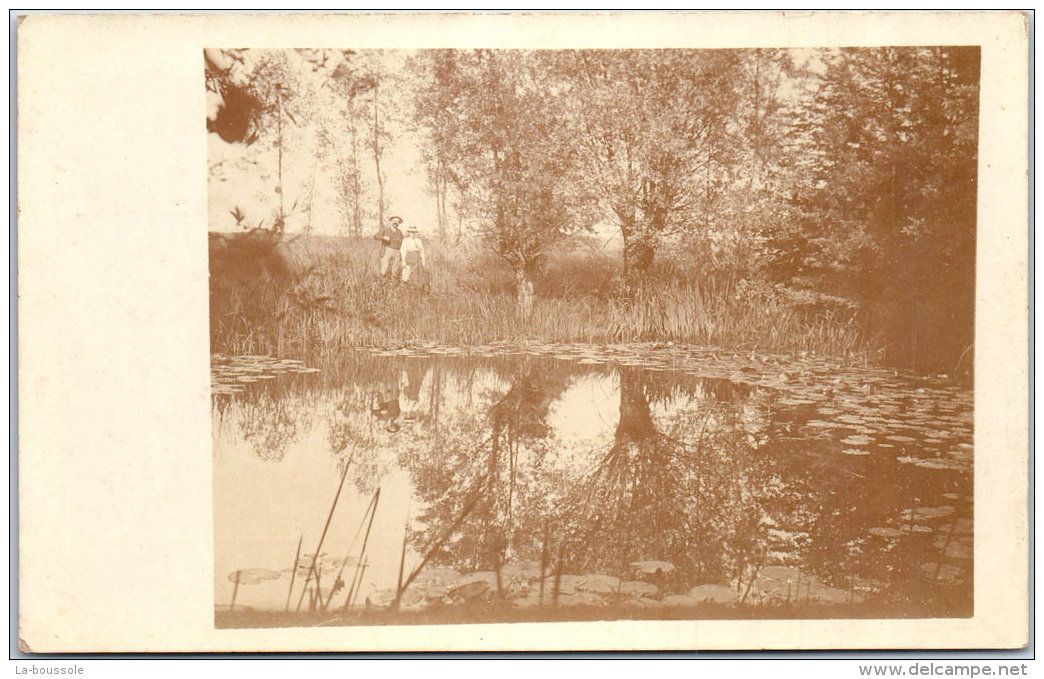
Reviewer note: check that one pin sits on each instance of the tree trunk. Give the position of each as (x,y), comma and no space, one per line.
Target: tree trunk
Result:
(355,227)
(377,159)
(636,422)
(443,191)
(438,202)
(281,220)
(638,255)
(460,223)
(311,195)
(524,287)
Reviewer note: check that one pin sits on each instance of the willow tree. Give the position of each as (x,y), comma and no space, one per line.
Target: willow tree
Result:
(503,131)
(654,134)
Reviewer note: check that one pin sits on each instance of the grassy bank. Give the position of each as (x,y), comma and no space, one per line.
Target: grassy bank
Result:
(322,294)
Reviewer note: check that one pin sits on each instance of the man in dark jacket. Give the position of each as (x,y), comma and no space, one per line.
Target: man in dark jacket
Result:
(391,240)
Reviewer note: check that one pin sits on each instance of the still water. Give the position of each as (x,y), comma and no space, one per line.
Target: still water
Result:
(640,477)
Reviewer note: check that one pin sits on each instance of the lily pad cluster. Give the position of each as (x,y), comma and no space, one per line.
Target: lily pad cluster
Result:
(520,583)
(865,409)
(232,374)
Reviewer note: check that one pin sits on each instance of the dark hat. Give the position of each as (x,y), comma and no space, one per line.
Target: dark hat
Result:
(394,218)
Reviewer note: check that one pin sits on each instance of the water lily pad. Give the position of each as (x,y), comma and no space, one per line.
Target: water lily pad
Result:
(437,576)
(931,463)
(718,594)
(531,601)
(922,513)
(680,601)
(601,584)
(642,602)
(567,584)
(855,451)
(947,574)
(963,527)
(471,590)
(825,594)
(253,576)
(953,549)
(580,599)
(521,569)
(637,587)
(653,567)
(885,532)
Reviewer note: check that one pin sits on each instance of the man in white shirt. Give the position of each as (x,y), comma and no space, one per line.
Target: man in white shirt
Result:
(413,256)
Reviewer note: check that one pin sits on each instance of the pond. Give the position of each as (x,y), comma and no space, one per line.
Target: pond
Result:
(584,482)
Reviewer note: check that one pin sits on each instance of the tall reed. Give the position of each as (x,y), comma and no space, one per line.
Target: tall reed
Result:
(328,297)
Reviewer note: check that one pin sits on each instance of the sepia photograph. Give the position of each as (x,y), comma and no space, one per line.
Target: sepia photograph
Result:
(506,332)
(512,335)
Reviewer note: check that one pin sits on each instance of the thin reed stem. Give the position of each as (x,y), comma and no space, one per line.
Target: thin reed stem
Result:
(293,573)
(315,557)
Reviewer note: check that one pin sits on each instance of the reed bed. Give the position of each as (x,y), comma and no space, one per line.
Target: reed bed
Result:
(323,294)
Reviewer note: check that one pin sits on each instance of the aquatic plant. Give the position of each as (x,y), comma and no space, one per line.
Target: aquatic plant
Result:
(331,298)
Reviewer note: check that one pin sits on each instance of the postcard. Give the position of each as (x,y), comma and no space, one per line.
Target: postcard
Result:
(504,331)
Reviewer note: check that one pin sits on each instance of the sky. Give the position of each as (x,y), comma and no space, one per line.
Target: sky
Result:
(245,176)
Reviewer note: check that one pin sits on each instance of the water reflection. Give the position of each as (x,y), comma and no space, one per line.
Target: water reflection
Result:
(683,488)
(563,469)
(480,473)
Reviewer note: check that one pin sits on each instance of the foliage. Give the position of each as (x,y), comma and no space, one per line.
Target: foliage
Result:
(499,131)
(842,177)
(655,133)
(885,204)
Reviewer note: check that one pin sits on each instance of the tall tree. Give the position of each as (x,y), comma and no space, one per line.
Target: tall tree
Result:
(656,137)
(350,81)
(886,206)
(501,131)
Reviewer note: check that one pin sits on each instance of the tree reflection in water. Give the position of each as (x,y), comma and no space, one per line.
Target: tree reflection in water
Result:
(686,491)
(270,425)
(713,476)
(686,487)
(483,470)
